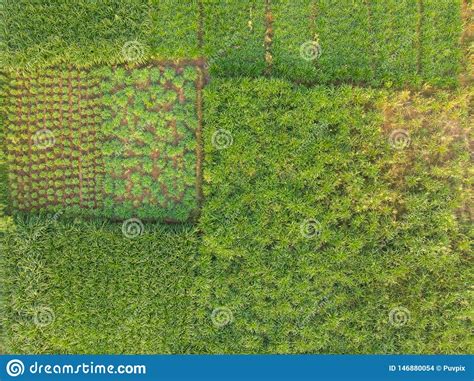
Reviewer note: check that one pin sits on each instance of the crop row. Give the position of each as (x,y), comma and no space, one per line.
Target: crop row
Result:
(113,142)
(50,142)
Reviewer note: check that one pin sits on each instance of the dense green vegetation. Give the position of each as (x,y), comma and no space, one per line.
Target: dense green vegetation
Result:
(85,33)
(104,293)
(381,43)
(392,228)
(233,37)
(393,43)
(393,231)
(5,221)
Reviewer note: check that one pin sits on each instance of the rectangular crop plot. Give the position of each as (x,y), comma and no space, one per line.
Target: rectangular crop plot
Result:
(116,142)
(149,141)
(51,144)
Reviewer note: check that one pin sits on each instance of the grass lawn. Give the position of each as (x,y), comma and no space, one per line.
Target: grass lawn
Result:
(335,220)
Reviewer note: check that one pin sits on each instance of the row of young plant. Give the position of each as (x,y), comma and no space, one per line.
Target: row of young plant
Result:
(156,144)
(47,147)
(143,139)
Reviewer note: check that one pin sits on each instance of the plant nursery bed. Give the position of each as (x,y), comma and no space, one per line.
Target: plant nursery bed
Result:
(116,142)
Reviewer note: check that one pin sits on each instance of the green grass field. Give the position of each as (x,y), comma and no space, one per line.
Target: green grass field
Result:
(336,205)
